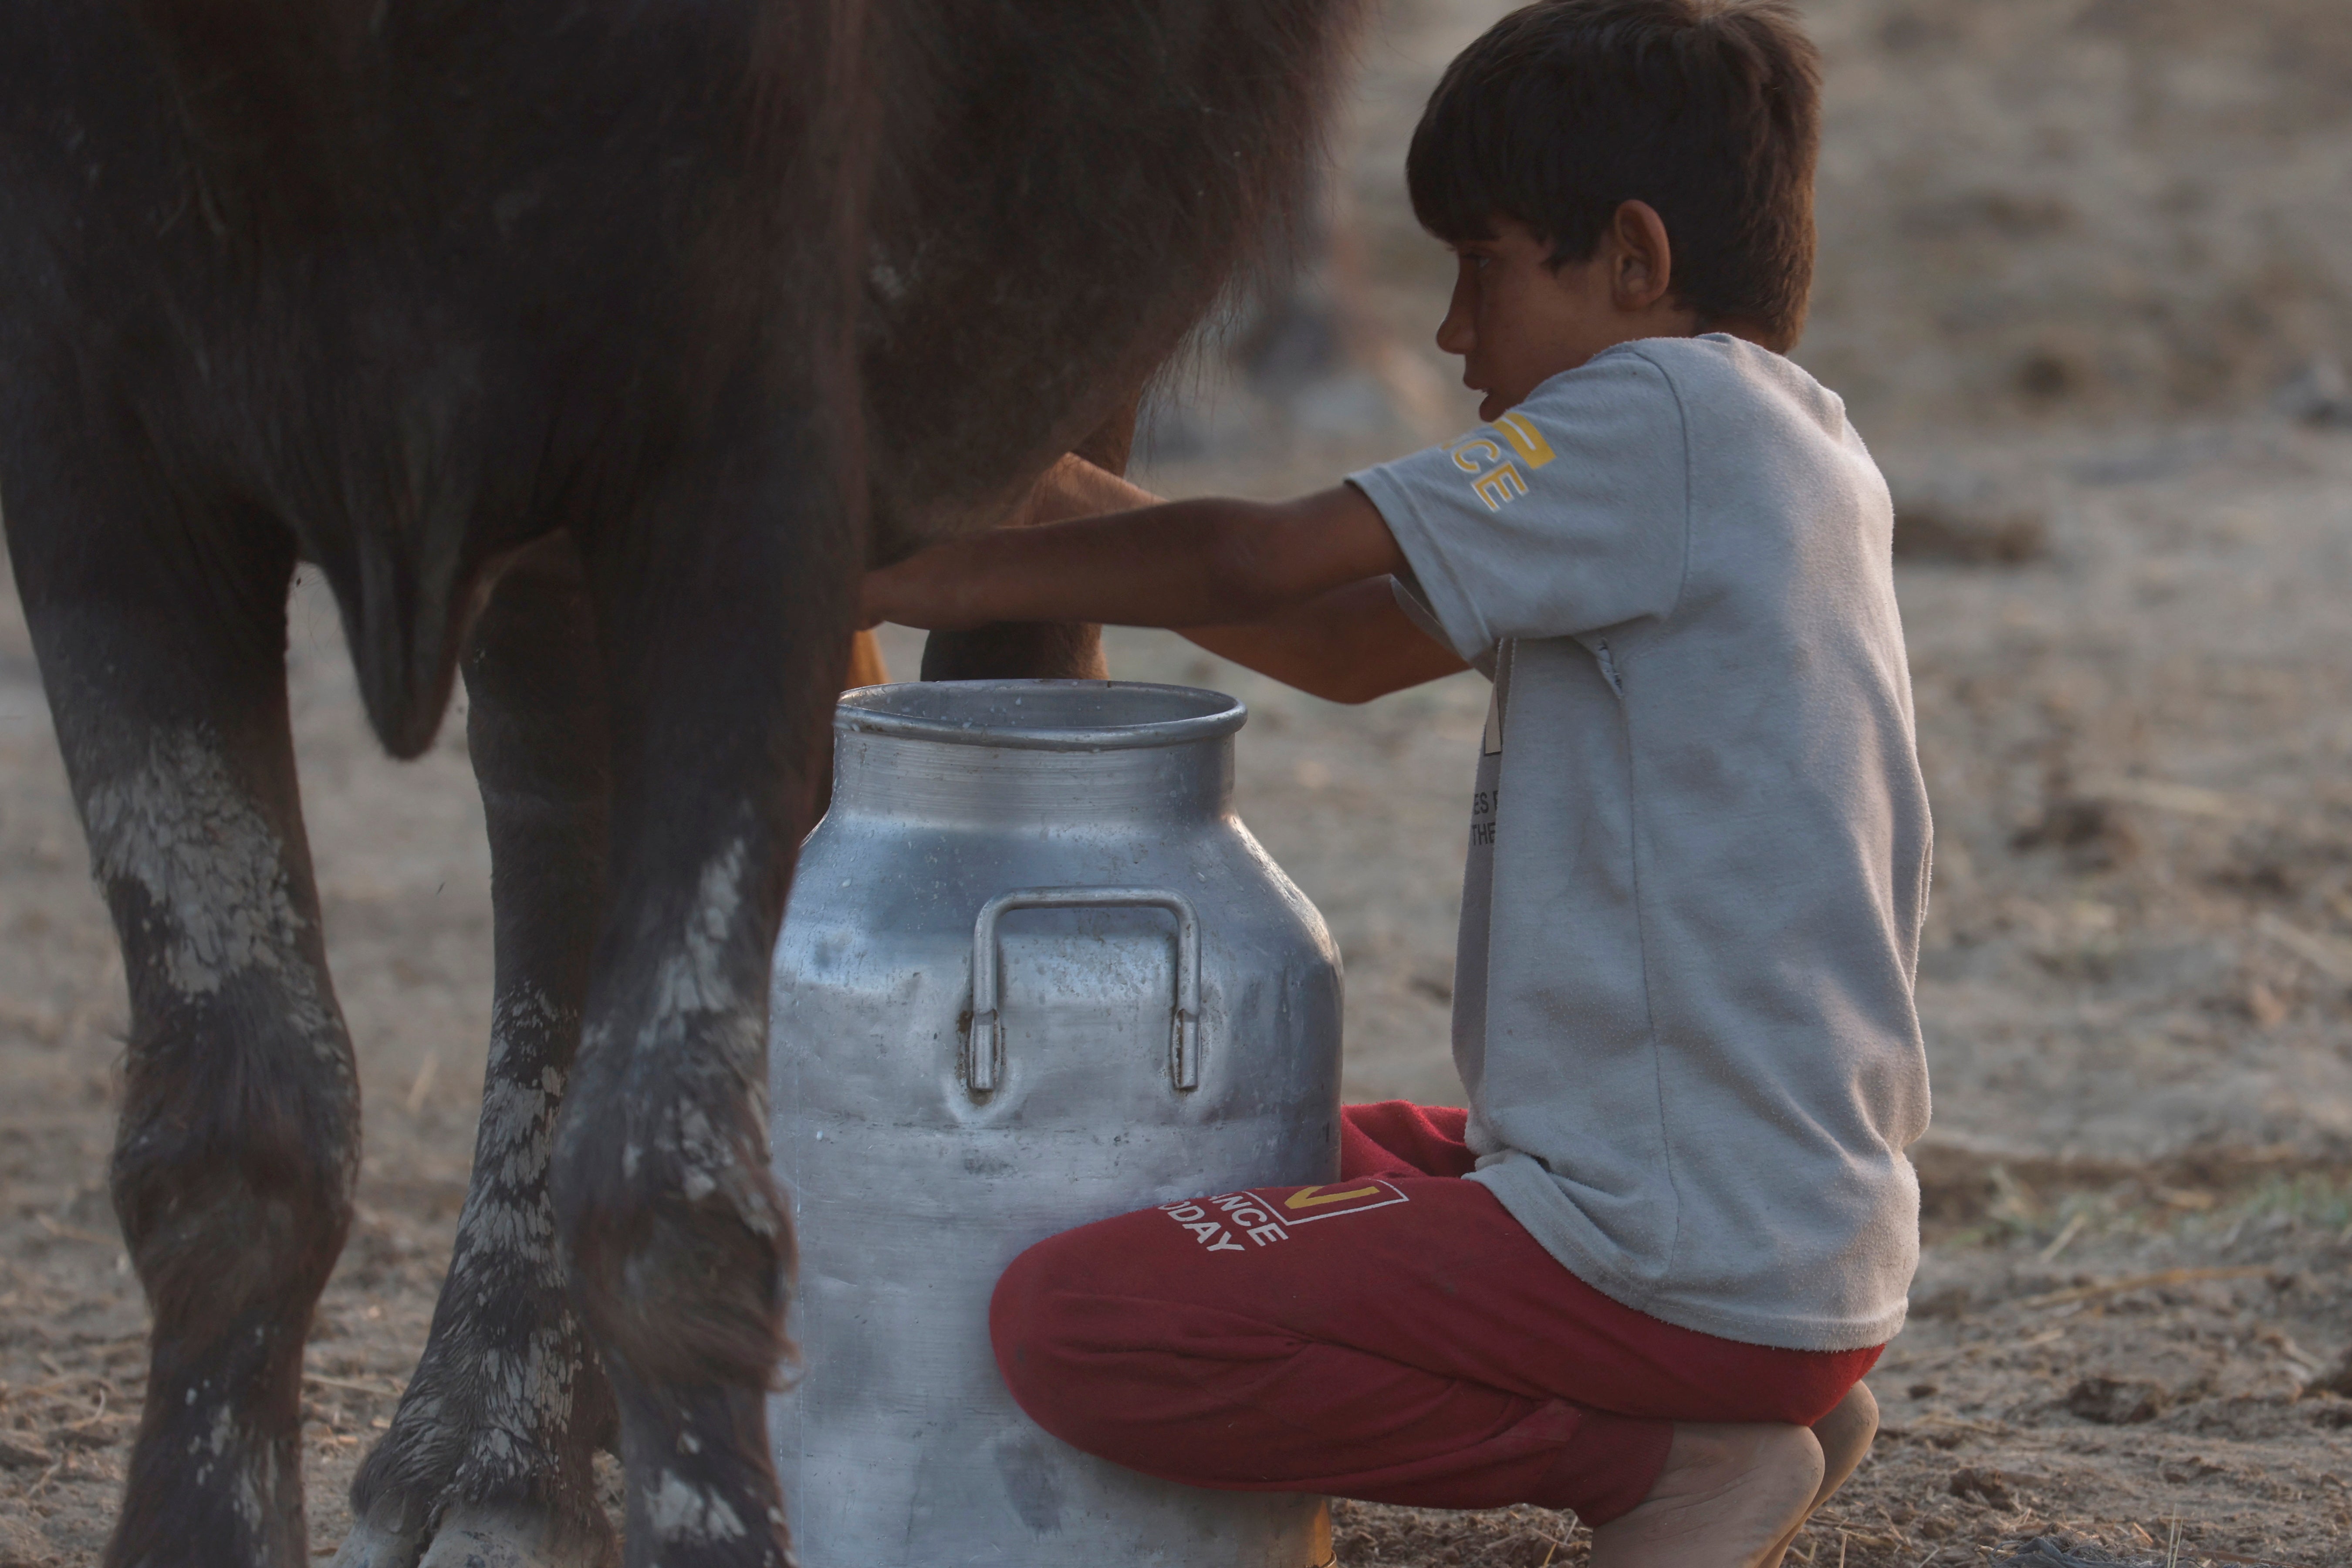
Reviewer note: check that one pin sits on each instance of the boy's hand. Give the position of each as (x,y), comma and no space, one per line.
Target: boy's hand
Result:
(1075,488)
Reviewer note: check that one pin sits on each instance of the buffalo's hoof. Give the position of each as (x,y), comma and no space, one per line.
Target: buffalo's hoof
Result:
(479,1535)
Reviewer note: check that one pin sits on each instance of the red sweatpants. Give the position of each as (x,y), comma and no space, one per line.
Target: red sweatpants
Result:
(1394,1336)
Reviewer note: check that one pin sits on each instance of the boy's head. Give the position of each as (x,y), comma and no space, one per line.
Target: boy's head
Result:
(1702,116)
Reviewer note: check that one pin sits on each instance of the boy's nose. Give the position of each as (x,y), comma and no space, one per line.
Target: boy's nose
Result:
(1457,334)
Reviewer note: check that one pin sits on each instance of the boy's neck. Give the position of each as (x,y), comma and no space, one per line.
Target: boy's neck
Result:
(1746,331)
(1668,321)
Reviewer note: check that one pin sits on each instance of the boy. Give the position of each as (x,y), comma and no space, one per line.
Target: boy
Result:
(1642,1275)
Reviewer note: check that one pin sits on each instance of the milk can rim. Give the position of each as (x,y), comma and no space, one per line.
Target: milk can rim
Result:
(851,716)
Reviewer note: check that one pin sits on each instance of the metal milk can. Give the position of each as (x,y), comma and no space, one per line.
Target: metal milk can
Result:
(1034,973)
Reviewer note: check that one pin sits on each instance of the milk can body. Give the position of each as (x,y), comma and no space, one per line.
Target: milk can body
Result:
(1034,973)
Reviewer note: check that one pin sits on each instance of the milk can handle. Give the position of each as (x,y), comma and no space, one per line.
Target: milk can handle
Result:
(987,1030)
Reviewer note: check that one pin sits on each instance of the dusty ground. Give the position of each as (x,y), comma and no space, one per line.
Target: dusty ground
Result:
(2079,262)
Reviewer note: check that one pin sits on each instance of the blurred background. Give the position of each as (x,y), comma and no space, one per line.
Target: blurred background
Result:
(2085,283)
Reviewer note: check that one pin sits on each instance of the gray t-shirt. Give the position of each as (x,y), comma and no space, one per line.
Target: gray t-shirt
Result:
(1699,840)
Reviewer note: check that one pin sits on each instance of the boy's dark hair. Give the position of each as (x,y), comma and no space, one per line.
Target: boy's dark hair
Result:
(1708,109)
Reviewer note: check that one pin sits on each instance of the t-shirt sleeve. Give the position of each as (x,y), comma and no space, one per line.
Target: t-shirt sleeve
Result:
(1566,515)
(1415,605)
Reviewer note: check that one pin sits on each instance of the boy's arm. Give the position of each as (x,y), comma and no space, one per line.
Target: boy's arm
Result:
(1298,589)
(1176,563)
(1351,645)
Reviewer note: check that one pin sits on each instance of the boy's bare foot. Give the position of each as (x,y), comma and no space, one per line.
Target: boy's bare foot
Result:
(1844,1435)
(1726,1498)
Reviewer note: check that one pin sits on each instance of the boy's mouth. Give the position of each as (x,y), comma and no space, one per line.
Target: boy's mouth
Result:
(1478,381)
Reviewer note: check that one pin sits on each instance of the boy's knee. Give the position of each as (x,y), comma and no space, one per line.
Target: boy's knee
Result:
(1029,1313)
(1032,1328)
(1084,1330)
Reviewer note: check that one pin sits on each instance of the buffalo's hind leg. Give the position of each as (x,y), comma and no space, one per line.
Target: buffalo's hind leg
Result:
(725,618)
(162,645)
(488,1460)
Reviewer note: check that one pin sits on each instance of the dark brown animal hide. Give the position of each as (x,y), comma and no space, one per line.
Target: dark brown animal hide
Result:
(1066,188)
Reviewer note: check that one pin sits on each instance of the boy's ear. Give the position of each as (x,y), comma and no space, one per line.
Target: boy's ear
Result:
(1642,269)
